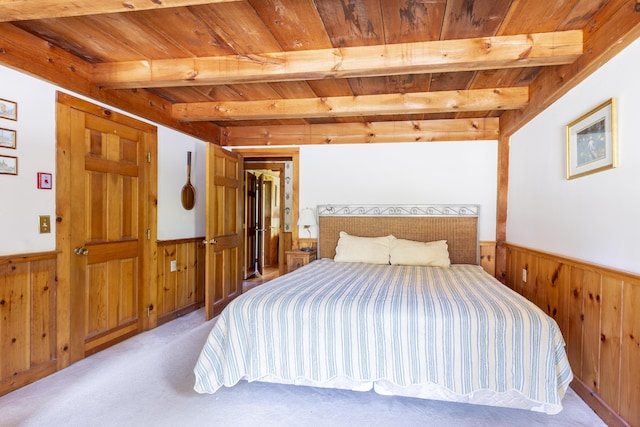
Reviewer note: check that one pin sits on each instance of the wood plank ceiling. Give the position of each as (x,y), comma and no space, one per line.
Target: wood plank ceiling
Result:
(260,72)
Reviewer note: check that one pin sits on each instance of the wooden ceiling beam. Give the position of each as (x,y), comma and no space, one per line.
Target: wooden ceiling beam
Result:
(615,27)
(365,105)
(25,52)
(356,133)
(20,10)
(483,53)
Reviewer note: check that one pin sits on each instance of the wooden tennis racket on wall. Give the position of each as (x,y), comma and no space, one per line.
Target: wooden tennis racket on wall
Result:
(188,190)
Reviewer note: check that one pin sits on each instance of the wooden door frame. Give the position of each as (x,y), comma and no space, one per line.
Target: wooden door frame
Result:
(289,239)
(148,235)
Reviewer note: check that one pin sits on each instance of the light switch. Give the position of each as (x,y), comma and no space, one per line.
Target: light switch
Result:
(45,224)
(174,265)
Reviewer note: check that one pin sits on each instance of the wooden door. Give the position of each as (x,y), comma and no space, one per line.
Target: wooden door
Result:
(250,225)
(107,231)
(223,269)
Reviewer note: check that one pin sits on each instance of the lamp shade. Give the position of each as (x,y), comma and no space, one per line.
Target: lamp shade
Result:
(307,218)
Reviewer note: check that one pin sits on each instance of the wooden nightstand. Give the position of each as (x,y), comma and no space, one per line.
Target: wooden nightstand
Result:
(296,259)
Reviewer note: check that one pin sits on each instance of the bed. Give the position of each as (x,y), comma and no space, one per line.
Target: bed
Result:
(445,330)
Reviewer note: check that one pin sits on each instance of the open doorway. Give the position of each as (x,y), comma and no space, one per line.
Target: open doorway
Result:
(263,222)
(286,161)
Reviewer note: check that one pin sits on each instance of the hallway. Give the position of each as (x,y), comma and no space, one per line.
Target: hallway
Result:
(268,274)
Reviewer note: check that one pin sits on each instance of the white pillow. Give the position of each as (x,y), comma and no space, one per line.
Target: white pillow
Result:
(410,252)
(372,250)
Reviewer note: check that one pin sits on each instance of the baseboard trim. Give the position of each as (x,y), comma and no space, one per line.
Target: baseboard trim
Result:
(608,415)
(179,313)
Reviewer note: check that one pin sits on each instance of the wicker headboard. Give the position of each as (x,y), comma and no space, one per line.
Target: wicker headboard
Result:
(457,224)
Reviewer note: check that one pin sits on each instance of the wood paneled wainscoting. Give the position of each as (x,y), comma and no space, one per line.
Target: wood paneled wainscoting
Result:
(181,290)
(27,319)
(598,311)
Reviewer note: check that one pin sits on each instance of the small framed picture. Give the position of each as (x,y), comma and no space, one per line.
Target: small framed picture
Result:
(8,165)
(8,110)
(8,138)
(592,144)
(44,180)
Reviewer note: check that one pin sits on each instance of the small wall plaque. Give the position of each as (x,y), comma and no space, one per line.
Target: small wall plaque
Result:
(8,165)
(7,138)
(44,180)
(8,109)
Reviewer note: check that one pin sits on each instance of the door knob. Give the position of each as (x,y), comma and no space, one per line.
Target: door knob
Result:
(81,251)
(210,242)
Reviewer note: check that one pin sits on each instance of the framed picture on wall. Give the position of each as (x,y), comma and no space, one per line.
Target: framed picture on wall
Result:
(8,110)
(592,144)
(8,138)
(8,165)
(45,180)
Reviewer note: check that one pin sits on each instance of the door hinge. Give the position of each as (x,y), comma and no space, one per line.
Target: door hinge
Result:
(148,156)
(149,309)
(148,234)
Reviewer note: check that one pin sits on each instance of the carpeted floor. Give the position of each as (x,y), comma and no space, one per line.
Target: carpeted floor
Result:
(147,381)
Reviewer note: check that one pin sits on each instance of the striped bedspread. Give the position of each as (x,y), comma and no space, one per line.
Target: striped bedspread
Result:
(446,333)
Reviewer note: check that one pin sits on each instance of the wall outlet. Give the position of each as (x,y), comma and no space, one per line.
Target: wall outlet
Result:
(173,265)
(524,275)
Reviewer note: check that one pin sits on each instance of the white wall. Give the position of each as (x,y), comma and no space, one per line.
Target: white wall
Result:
(404,173)
(595,218)
(21,202)
(174,222)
